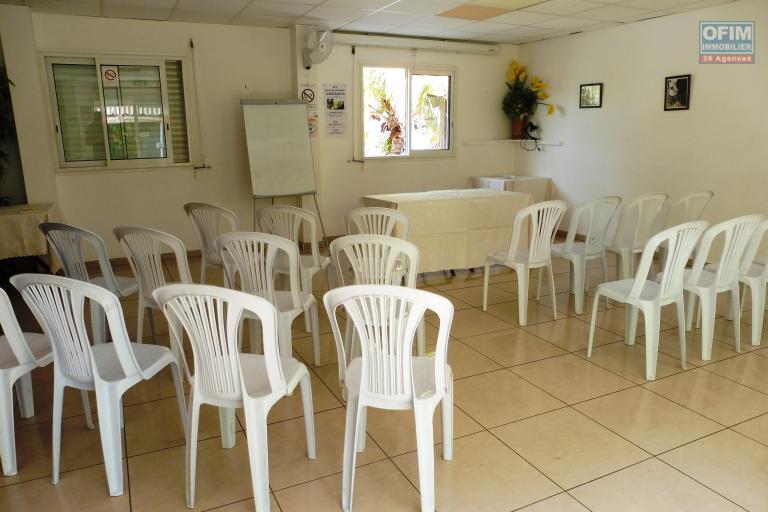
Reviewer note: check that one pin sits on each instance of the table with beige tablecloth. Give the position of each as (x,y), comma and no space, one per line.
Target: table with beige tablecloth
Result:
(19,234)
(456,228)
(540,188)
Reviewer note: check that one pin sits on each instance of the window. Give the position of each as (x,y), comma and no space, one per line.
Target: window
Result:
(115,114)
(406,112)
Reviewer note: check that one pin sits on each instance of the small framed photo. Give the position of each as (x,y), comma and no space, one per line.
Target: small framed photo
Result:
(677,92)
(591,96)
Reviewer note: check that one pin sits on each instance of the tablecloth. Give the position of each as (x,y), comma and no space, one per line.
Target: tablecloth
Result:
(540,188)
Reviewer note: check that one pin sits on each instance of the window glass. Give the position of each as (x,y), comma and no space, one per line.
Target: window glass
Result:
(430,103)
(384,111)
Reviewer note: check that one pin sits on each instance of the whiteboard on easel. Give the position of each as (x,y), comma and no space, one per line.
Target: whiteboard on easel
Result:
(279,151)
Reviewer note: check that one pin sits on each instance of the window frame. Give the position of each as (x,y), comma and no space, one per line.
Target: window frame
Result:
(410,70)
(50,57)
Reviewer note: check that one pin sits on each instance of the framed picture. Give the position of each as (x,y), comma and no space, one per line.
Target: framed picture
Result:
(591,96)
(677,92)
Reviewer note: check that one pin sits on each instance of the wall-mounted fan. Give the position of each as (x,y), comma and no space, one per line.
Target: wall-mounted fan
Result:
(317,46)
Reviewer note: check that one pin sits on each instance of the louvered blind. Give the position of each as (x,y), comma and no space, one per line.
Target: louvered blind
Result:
(174,80)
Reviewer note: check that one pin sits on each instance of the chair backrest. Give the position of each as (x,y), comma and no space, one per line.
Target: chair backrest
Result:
(689,207)
(377,221)
(286,221)
(254,257)
(211,316)
(58,305)
(385,318)
(681,241)
(595,217)
(750,254)
(144,248)
(640,218)
(542,220)
(375,259)
(67,243)
(737,235)
(12,332)
(209,222)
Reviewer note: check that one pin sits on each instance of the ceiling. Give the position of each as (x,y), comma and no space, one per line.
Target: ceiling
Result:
(497,21)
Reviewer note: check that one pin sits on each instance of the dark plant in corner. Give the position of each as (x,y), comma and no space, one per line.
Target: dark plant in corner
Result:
(523,97)
(7,130)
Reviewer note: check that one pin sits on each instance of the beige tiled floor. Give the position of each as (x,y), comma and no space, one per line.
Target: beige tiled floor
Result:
(538,426)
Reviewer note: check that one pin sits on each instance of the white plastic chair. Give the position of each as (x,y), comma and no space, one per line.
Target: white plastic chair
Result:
(209,222)
(595,217)
(144,248)
(286,221)
(20,353)
(754,274)
(67,242)
(109,369)
(210,316)
(637,222)
(542,221)
(254,256)
(378,221)
(687,208)
(649,296)
(387,376)
(722,277)
(377,260)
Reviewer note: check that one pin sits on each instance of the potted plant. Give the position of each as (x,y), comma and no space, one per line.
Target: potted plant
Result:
(522,98)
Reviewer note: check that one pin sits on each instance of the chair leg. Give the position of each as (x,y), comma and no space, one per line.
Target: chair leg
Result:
(625,263)
(539,277)
(58,402)
(604,270)
(329,276)
(652,327)
(735,308)
(350,453)
(349,340)
(194,419)
(258,456)
(315,329)
(426,455)
(152,327)
(707,304)
(690,309)
(254,331)
(421,338)
(680,306)
(362,421)
(309,418)
(446,417)
(630,324)
(7,434)
(284,337)
(98,322)
(25,395)
(486,277)
(86,409)
(758,311)
(522,295)
(203,266)
(227,423)
(108,409)
(140,323)
(552,288)
(579,283)
(592,325)
(176,373)
(306,285)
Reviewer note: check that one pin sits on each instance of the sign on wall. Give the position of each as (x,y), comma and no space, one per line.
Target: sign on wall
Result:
(335,108)
(308,93)
(726,42)
(110,76)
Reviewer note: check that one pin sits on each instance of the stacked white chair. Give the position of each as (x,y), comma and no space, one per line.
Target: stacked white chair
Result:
(723,276)
(255,256)
(144,248)
(209,222)
(210,316)
(67,242)
(687,208)
(649,296)
(754,274)
(109,369)
(378,221)
(20,353)
(594,217)
(286,221)
(387,376)
(638,221)
(542,221)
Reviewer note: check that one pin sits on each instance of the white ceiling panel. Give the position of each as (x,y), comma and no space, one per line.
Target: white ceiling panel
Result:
(425,7)
(522,18)
(360,4)
(196,16)
(564,23)
(86,8)
(277,9)
(655,5)
(562,7)
(222,6)
(614,13)
(336,13)
(137,13)
(155,4)
(262,21)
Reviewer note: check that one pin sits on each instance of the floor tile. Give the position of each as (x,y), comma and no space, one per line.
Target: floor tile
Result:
(669,343)
(570,334)
(247,505)
(512,347)
(629,361)
(650,485)
(499,397)
(473,295)
(471,322)
(84,490)
(571,378)
(613,320)
(756,429)
(509,313)
(378,486)
(465,361)
(483,476)
(715,397)
(748,369)
(568,447)
(648,420)
(560,503)
(728,463)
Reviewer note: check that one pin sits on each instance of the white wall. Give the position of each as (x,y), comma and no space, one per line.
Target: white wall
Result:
(631,146)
